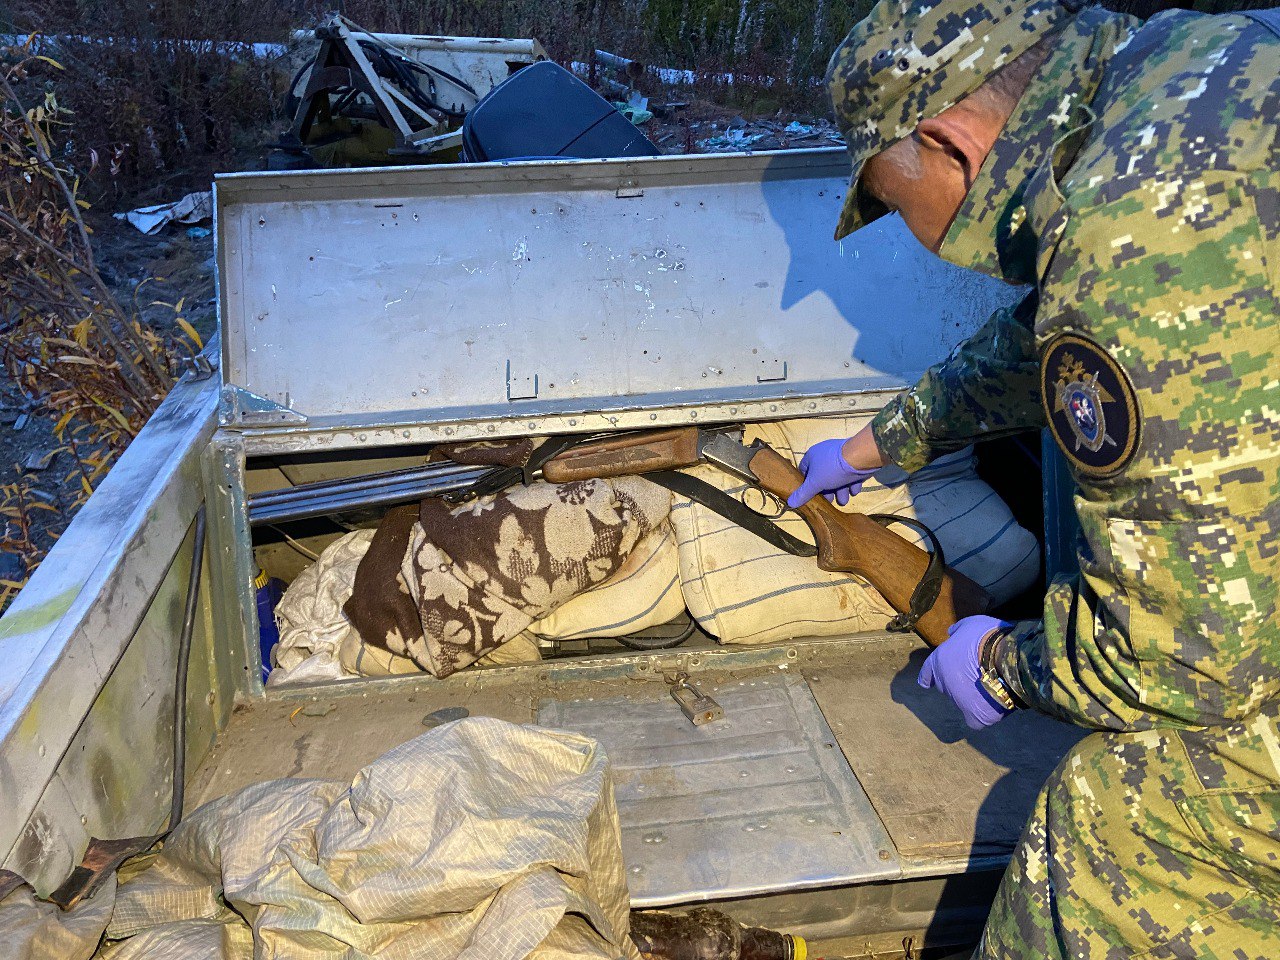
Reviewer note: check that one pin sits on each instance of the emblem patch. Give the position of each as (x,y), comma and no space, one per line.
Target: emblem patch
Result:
(1090,404)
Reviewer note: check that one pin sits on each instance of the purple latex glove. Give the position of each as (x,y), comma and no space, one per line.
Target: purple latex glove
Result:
(826,471)
(954,669)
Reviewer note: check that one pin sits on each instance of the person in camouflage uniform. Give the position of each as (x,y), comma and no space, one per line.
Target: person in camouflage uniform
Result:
(1135,184)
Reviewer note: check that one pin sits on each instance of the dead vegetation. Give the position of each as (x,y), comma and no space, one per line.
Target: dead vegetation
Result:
(165,94)
(81,357)
(159,95)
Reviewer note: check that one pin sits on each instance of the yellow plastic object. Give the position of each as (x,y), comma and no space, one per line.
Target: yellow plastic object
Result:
(799,949)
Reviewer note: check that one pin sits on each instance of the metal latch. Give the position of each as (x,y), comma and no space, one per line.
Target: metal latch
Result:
(771,370)
(694,704)
(521,387)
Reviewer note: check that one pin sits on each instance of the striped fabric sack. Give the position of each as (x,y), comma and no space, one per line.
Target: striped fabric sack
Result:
(643,593)
(742,590)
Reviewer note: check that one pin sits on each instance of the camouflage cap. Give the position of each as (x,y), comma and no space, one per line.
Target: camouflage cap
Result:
(911,59)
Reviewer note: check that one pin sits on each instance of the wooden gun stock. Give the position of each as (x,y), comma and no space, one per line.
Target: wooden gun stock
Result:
(854,543)
(625,456)
(847,542)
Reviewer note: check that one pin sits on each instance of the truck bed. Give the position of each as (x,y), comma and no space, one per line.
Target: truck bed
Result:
(745,810)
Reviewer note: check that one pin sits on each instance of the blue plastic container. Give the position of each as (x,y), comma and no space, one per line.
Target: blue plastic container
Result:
(269,590)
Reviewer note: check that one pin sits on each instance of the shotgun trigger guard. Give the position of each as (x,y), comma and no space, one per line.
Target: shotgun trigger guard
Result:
(732,509)
(925,595)
(767,499)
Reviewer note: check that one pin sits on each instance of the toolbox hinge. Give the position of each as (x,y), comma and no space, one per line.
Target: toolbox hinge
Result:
(238,407)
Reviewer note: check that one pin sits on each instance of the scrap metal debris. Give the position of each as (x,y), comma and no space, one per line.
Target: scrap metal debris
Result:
(739,134)
(193,208)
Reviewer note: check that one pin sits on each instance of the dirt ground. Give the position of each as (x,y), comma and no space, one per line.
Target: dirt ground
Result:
(707,128)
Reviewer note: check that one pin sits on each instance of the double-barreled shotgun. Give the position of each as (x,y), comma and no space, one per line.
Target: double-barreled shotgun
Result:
(928,596)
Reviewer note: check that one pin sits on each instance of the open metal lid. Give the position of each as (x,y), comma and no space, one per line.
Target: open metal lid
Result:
(380,305)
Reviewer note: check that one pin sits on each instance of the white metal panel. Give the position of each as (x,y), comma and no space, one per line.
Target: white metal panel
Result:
(469,291)
(68,628)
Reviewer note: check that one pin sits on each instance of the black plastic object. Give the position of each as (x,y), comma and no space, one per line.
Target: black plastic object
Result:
(545,112)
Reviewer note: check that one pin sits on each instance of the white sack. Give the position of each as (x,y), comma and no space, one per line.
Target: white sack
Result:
(480,840)
(32,929)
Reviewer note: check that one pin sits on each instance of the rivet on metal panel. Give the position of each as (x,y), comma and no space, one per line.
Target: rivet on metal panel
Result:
(573,422)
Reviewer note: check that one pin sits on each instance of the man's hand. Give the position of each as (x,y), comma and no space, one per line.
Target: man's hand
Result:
(955,669)
(826,471)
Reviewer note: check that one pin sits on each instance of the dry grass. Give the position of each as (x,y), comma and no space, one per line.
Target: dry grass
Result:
(88,361)
(175,96)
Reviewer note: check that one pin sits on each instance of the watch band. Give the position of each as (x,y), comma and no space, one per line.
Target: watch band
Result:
(989,653)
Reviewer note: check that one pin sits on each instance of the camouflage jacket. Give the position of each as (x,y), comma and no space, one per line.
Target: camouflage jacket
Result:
(1137,185)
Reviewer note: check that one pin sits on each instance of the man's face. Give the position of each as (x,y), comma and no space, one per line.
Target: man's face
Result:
(927,203)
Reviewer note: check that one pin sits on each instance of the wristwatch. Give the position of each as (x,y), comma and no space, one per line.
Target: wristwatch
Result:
(990,651)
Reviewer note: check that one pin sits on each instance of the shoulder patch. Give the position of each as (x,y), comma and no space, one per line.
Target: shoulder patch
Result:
(1090,405)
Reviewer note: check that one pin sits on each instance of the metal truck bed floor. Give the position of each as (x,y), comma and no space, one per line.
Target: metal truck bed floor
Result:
(762,792)
(949,799)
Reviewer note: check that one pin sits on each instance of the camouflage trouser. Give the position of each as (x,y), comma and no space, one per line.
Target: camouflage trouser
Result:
(1153,845)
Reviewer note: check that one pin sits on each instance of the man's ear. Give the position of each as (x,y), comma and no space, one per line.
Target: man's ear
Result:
(959,137)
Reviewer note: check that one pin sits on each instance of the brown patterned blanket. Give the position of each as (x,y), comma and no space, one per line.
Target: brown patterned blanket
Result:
(445,584)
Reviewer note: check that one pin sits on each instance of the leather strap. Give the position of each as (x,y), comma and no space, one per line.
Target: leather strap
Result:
(925,595)
(500,478)
(733,510)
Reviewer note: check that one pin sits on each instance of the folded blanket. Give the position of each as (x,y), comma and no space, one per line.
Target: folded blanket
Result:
(462,580)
